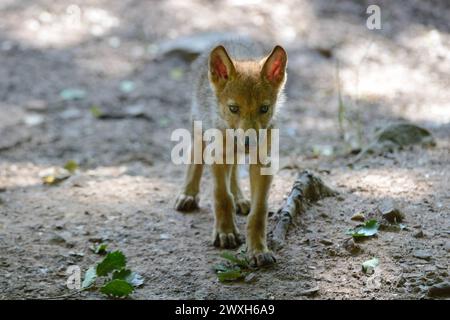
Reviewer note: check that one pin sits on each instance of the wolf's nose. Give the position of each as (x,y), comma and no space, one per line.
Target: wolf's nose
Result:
(247,141)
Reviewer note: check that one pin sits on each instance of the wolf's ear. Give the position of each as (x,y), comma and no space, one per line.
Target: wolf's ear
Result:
(274,68)
(221,67)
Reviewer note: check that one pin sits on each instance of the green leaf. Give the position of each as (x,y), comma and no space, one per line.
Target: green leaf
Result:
(370,265)
(89,278)
(113,261)
(220,267)
(117,288)
(370,228)
(121,274)
(101,249)
(230,275)
(72,94)
(132,278)
(55,176)
(96,111)
(232,258)
(71,166)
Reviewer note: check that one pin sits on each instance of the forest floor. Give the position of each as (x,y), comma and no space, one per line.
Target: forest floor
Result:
(123,193)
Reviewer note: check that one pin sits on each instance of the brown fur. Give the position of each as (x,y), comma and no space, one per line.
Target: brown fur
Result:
(247,81)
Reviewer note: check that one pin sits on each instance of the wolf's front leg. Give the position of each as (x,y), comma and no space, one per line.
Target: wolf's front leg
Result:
(241,202)
(257,249)
(226,234)
(188,198)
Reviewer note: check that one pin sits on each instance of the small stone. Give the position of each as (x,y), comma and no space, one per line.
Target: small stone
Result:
(189,47)
(401,282)
(33,119)
(59,226)
(250,278)
(164,236)
(310,292)
(447,246)
(76,254)
(391,212)
(422,254)
(331,252)
(358,217)
(439,290)
(96,239)
(397,255)
(419,234)
(56,239)
(69,114)
(326,242)
(351,246)
(36,105)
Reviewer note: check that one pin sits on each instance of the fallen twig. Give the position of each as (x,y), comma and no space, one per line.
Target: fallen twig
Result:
(306,190)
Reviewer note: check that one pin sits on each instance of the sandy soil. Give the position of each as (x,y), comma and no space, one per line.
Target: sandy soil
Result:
(124,192)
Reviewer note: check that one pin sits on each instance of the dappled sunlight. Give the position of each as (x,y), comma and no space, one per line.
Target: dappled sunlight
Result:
(106,192)
(104,182)
(287,20)
(19,175)
(392,182)
(62,27)
(373,72)
(124,190)
(431,42)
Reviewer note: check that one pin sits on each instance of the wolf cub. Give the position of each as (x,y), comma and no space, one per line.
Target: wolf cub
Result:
(236,86)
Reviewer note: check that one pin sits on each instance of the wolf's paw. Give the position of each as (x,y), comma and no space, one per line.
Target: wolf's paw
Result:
(262,259)
(243,206)
(228,240)
(186,202)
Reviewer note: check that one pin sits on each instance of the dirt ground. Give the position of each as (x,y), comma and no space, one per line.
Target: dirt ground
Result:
(124,191)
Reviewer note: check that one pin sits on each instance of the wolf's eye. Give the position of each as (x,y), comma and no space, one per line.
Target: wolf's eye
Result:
(233,108)
(264,108)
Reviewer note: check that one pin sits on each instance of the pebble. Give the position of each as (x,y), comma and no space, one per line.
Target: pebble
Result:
(440,290)
(56,239)
(310,292)
(351,246)
(391,212)
(164,236)
(36,106)
(59,226)
(326,242)
(252,277)
(33,119)
(422,254)
(358,217)
(419,234)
